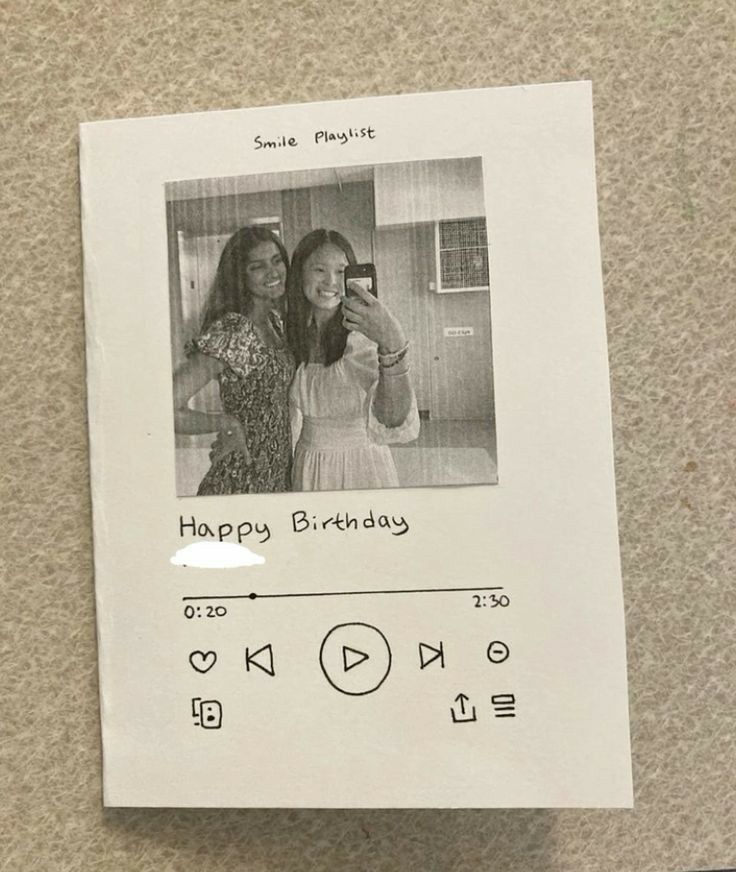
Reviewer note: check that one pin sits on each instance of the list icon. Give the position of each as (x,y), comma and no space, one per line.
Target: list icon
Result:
(504,705)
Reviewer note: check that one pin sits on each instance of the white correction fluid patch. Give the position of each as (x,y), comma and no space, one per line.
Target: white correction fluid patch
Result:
(216,555)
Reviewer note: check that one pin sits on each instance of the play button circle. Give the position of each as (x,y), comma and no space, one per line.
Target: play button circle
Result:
(355,658)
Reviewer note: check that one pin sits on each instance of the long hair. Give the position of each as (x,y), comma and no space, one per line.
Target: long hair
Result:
(333,336)
(230,289)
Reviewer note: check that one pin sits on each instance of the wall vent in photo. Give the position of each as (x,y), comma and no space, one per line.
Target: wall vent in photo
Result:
(462,255)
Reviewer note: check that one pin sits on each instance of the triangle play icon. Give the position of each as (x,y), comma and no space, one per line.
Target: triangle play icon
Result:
(352,658)
(429,654)
(262,658)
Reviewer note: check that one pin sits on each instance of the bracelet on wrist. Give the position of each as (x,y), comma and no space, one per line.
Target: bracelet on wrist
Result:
(392,373)
(388,360)
(393,362)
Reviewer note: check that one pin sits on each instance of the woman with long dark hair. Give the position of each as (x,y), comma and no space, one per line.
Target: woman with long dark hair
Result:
(243,345)
(351,395)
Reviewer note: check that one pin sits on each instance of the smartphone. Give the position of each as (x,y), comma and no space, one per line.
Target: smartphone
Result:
(363,274)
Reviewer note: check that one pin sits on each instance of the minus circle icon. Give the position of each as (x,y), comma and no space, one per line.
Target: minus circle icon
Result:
(498,652)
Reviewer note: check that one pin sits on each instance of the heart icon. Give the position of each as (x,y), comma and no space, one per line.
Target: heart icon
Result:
(202,661)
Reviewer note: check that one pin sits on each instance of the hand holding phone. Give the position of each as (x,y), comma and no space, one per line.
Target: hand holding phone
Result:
(369,316)
(362,274)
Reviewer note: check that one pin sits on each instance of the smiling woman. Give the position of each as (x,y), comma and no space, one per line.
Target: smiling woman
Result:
(242,344)
(351,395)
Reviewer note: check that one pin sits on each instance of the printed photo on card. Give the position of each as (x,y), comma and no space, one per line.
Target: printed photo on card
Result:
(271,278)
(354,511)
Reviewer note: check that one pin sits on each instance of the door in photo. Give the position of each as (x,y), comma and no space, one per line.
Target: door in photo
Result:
(461,380)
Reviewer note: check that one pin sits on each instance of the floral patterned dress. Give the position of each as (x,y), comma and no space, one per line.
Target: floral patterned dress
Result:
(254,388)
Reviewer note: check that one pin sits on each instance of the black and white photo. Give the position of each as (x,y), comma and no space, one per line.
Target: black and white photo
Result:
(331,329)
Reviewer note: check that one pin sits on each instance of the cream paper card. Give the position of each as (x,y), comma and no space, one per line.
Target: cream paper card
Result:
(421,606)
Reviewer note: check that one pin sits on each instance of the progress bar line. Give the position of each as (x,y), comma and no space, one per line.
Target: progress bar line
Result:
(253,596)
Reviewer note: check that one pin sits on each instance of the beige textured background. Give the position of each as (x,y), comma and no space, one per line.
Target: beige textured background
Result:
(664,83)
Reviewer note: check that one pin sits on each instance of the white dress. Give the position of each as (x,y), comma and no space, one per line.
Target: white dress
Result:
(340,445)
